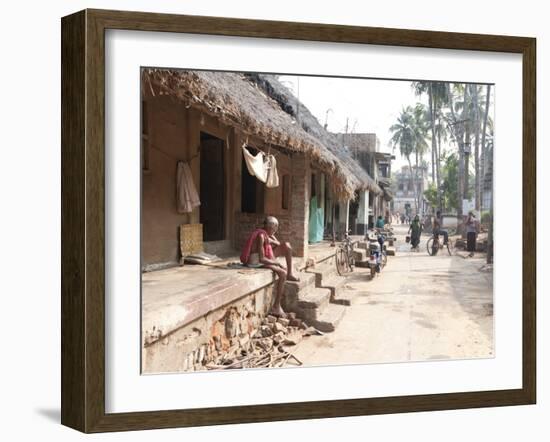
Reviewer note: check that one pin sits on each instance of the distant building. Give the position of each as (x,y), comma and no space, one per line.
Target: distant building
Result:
(405,190)
(365,149)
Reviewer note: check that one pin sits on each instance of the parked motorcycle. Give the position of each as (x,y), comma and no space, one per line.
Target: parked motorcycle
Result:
(377,252)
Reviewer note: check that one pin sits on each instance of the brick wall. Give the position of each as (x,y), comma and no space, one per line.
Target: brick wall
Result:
(294,226)
(299,204)
(247,222)
(225,331)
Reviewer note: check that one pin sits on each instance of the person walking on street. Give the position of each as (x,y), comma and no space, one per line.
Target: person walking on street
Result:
(415,230)
(471,234)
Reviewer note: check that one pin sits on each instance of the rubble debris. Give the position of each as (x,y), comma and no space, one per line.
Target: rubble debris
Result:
(278,328)
(311,331)
(267,347)
(293,338)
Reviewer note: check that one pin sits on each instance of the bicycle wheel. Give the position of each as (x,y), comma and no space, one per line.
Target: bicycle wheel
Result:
(432,246)
(351,259)
(341,261)
(384,260)
(450,247)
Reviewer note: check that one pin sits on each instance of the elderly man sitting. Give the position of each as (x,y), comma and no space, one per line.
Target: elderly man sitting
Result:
(261,250)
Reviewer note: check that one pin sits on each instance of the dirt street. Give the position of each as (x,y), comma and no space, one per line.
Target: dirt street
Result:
(419,308)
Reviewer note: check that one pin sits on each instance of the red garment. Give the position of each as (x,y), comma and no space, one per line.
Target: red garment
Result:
(268,250)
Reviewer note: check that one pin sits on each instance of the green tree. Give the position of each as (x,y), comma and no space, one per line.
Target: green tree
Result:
(403,136)
(432,195)
(437,99)
(408,135)
(450,183)
(421,127)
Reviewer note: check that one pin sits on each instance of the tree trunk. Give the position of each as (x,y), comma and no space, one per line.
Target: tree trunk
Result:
(416,186)
(483,135)
(438,169)
(489,159)
(467,134)
(435,157)
(477,193)
(432,123)
(412,182)
(458,132)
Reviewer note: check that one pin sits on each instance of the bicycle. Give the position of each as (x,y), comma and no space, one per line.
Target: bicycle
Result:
(344,258)
(435,243)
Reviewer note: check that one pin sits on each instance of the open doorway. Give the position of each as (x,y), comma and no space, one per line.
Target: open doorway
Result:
(212,188)
(252,189)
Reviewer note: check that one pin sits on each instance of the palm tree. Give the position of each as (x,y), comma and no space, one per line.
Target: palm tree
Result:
(421,126)
(403,137)
(437,98)
(409,135)
(458,126)
(442,135)
(484,149)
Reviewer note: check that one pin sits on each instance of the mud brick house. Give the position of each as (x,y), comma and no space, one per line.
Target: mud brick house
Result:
(337,207)
(204,119)
(365,150)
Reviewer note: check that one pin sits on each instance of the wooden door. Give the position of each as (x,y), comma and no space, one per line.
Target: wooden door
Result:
(212,188)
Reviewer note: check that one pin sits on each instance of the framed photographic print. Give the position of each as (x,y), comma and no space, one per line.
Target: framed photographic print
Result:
(267,221)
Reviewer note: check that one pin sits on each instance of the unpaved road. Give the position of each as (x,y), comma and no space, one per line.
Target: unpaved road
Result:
(419,308)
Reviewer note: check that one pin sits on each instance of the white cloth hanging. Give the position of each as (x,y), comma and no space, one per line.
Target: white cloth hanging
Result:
(187,197)
(272,175)
(256,165)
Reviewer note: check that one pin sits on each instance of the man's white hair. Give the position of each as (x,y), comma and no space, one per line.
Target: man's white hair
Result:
(271,221)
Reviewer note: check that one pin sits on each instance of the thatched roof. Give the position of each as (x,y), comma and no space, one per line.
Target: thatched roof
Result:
(237,101)
(259,105)
(360,179)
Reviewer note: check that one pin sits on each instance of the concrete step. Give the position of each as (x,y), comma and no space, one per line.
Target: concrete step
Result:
(390,251)
(323,271)
(333,283)
(316,299)
(338,294)
(308,305)
(307,281)
(360,255)
(329,319)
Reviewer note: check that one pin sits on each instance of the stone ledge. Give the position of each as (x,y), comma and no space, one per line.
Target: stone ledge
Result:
(175,297)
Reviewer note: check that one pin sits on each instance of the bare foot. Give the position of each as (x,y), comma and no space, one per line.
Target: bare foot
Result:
(292,278)
(278,312)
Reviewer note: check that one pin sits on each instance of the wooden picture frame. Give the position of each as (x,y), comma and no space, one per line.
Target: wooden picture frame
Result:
(83,220)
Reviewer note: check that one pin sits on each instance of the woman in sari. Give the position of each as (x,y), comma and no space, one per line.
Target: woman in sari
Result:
(415,230)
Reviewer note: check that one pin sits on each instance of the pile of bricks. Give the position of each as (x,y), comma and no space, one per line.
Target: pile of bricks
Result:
(268,346)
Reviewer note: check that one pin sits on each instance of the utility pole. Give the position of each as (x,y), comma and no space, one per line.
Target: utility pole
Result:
(345,133)
(326,117)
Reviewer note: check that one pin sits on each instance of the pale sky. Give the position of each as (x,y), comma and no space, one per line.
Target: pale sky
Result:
(371,106)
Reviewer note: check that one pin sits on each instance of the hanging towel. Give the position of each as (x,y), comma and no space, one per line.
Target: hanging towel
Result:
(256,165)
(268,250)
(316,226)
(272,175)
(187,197)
